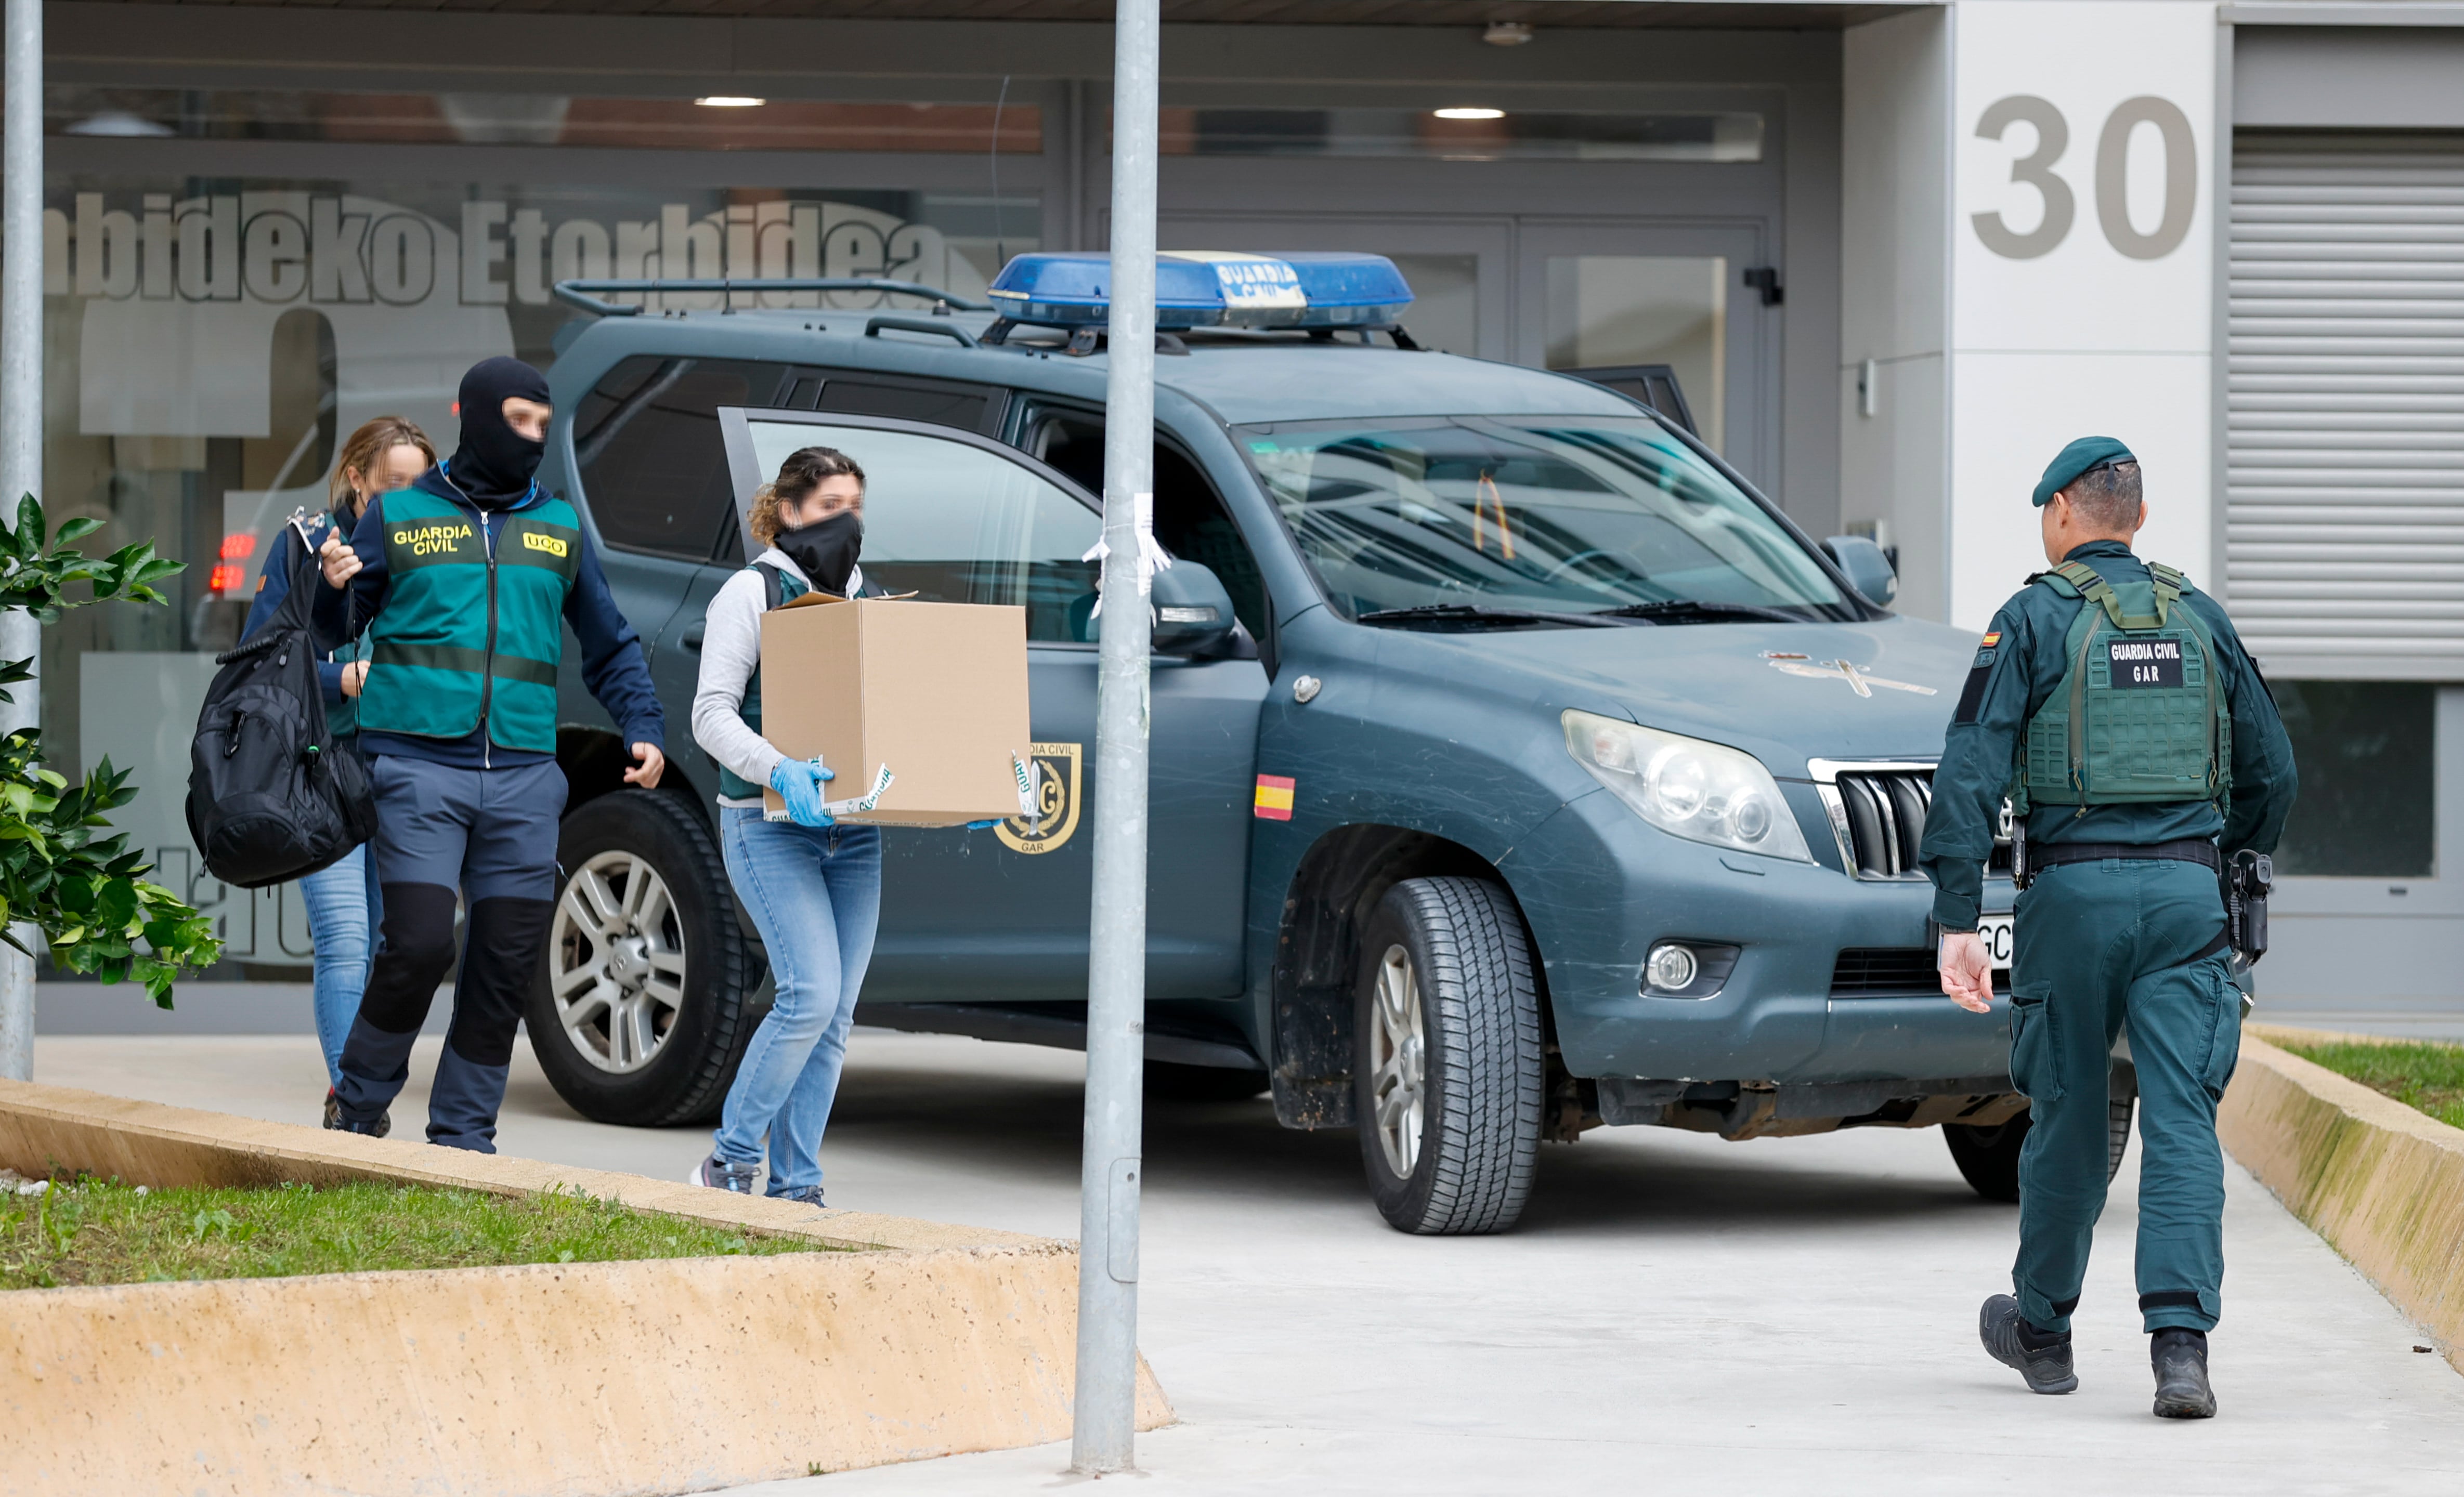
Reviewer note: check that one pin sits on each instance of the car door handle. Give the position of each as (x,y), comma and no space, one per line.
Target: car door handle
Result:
(693,639)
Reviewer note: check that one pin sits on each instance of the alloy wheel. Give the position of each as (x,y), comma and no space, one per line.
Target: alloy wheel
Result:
(1397,1052)
(616,962)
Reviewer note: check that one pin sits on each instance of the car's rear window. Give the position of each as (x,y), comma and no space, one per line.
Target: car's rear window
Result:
(654,471)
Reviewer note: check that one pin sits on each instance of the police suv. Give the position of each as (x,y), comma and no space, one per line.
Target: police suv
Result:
(1516,767)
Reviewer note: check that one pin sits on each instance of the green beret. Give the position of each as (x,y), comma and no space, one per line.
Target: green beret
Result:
(2088,451)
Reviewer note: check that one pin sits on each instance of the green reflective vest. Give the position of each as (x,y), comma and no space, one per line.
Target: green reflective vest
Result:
(777,588)
(2140,714)
(471,633)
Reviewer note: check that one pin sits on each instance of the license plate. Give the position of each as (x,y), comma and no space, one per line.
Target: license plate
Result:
(1994,931)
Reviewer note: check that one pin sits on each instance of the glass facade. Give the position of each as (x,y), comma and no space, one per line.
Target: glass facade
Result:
(210,340)
(1464,134)
(540,120)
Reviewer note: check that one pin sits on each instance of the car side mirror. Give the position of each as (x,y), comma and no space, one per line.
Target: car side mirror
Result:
(1193,613)
(1868,569)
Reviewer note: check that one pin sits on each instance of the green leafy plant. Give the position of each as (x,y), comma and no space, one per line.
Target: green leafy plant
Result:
(62,869)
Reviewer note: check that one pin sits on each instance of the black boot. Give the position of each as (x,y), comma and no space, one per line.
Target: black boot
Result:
(334,1119)
(2041,1357)
(2181,1360)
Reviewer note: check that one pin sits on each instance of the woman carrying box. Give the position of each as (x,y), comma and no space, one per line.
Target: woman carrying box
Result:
(812,887)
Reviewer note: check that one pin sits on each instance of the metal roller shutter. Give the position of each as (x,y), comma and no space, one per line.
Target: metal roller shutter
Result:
(2344,488)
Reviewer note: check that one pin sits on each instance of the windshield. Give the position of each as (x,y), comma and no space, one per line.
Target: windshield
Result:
(1579,515)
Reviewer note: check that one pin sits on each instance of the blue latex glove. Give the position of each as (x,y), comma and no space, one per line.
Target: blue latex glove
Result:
(981,825)
(799,783)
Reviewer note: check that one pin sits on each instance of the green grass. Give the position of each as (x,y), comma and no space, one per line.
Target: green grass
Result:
(93,1231)
(2427,1076)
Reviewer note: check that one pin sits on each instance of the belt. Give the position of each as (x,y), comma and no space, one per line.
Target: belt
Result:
(2189,849)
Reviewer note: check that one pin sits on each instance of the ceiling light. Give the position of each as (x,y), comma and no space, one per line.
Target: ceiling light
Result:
(1470,114)
(1507,34)
(730,101)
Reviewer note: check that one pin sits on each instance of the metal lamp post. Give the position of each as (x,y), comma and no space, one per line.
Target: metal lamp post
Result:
(21,430)
(1106,1407)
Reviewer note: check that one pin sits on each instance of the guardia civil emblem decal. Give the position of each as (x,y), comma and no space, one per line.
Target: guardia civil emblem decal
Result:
(1054,770)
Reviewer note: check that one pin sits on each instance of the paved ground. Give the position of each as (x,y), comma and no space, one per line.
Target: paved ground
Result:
(1787,1315)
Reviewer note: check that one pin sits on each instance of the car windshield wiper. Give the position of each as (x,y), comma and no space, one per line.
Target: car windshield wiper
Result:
(1474,613)
(1693,610)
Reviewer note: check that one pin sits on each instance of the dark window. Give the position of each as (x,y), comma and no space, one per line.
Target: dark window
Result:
(943,403)
(1190,519)
(2367,751)
(653,470)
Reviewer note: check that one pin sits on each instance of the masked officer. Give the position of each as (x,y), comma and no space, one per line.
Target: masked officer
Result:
(2113,703)
(467,580)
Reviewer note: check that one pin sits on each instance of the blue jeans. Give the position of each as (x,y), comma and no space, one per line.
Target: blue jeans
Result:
(814,893)
(345,904)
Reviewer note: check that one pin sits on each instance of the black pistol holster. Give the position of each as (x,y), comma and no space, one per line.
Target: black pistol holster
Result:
(2249,878)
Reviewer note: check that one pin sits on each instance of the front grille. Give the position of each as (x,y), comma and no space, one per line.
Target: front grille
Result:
(1887,818)
(1878,814)
(1878,971)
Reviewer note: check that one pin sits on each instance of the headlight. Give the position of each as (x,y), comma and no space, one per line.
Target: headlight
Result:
(1703,792)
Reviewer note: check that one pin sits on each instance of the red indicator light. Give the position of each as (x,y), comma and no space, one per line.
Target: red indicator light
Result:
(238,546)
(227,577)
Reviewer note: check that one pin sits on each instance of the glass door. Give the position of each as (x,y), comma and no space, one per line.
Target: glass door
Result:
(1614,301)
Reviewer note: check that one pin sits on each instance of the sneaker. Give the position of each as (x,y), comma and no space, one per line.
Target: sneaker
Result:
(720,1175)
(809,1196)
(2180,1357)
(2042,1358)
(335,1120)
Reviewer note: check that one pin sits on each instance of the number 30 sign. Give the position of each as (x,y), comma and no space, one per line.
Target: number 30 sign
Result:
(2112,177)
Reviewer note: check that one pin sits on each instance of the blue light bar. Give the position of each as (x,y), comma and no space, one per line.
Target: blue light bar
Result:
(1200,288)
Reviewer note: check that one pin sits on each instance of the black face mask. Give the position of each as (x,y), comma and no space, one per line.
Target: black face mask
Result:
(495,463)
(825,550)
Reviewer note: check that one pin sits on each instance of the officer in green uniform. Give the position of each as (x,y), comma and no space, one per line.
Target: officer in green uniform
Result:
(2113,703)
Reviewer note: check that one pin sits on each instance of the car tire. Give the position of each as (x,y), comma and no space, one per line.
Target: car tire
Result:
(1170,1081)
(643,932)
(1989,1157)
(1447,1062)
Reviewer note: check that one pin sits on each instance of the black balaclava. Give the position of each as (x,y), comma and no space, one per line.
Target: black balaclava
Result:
(495,463)
(825,550)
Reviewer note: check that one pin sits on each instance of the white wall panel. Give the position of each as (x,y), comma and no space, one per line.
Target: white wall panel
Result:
(2081,266)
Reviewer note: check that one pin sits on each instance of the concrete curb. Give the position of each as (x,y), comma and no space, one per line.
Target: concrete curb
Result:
(2382,1182)
(548,1381)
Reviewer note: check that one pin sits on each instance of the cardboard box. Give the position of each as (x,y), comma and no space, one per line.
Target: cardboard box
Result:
(936,692)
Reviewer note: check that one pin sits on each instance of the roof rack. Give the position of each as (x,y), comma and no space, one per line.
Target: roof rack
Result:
(1088,337)
(586,293)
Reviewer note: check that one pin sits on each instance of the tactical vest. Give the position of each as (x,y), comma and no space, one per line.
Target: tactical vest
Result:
(2140,714)
(777,589)
(471,633)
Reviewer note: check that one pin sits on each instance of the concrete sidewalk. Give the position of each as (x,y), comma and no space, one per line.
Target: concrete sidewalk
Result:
(1792,1315)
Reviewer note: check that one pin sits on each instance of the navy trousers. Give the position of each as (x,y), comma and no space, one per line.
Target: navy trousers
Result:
(491,834)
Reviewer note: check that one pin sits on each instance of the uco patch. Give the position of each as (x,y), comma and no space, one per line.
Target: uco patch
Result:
(2143,662)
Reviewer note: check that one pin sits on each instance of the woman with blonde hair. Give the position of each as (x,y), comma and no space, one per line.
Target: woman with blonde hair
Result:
(343,900)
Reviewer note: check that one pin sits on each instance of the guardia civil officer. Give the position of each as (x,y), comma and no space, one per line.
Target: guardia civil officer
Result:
(465,581)
(2114,704)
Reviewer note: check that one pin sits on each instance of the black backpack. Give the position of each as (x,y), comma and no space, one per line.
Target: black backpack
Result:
(272,795)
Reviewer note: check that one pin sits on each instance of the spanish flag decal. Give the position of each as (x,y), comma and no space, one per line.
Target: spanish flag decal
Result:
(1989,640)
(1275,802)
